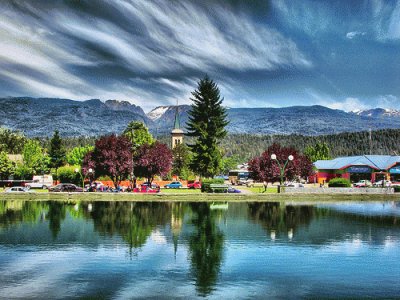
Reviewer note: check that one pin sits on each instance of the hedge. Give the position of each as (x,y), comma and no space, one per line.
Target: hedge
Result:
(339,182)
(397,188)
(205,184)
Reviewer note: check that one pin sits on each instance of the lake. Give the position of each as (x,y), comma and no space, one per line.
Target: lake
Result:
(129,250)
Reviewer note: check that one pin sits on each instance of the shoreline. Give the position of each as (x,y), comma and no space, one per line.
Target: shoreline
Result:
(198,197)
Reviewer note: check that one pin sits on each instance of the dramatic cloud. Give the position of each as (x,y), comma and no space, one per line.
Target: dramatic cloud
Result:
(153,52)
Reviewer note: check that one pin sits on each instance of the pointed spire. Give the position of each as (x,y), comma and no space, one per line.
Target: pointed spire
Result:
(177,123)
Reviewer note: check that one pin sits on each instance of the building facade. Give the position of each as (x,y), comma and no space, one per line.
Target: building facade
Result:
(355,168)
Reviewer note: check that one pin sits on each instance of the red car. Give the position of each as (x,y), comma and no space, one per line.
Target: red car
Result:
(147,188)
(194,185)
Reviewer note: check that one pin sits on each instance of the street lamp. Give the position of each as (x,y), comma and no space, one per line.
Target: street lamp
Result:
(90,172)
(282,169)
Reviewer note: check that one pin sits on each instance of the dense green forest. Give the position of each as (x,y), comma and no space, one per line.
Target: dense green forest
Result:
(246,146)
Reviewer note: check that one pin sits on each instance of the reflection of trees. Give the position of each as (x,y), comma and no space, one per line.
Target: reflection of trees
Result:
(15,211)
(134,221)
(205,246)
(55,215)
(280,218)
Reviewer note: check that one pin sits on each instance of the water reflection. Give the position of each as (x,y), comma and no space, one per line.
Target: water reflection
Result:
(279,219)
(206,247)
(209,246)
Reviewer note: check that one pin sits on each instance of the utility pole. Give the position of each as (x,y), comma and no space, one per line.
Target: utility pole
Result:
(370,141)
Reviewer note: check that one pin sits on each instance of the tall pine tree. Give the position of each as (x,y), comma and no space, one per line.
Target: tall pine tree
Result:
(56,151)
(207,121)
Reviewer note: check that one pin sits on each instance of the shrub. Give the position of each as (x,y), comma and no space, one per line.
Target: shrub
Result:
(205,184)
(397,188)
(67,174)
(339,182)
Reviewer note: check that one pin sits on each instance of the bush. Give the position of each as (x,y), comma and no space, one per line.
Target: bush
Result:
(397,188)
(339,182)
(67,174)
(205,184)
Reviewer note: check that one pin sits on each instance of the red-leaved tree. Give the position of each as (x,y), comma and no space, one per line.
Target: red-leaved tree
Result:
(264,168)
(151,160)
(111,157)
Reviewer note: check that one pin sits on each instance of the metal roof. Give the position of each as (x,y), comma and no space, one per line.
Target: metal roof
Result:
(379,162)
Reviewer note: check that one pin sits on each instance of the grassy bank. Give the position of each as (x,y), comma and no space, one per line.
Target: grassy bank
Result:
(197,197)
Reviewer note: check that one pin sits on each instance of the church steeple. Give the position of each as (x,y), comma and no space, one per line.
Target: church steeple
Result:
(177,132)
(177,123)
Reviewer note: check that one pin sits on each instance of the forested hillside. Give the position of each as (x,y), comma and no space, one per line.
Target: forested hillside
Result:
(246,146)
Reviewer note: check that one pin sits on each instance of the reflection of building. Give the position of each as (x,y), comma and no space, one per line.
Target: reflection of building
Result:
(177,132)
(355,168)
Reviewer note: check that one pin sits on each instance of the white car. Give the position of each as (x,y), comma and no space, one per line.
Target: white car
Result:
(380,182)
(362,183)
(17,189)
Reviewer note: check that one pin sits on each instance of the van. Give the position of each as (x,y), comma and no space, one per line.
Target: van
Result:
(40,182)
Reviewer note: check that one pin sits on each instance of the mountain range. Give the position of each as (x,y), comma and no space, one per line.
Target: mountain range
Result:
(41,116)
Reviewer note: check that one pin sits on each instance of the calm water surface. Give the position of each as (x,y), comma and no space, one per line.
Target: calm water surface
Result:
(128,250)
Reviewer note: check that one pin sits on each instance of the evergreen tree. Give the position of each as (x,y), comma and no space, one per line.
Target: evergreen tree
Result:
(56,151)
(207,121)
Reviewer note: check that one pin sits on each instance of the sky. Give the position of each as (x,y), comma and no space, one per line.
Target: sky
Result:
(340,54)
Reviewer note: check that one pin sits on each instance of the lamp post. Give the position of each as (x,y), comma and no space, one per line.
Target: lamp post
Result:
(90,172)
(282,168)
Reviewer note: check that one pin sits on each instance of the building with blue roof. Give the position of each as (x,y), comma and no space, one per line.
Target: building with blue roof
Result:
(355,168)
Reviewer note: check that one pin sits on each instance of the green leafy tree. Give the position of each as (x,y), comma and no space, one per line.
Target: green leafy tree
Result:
(11,141)
(76,155)
(207,121)
(67,174)
(181,158)
(56,152)
(318,152)
(34,157)
(7,167)
(229,163)
(138,134)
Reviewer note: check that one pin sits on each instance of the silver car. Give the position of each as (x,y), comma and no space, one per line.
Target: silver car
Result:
(17,189)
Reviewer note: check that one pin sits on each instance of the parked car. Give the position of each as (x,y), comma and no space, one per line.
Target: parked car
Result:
(294,184)
(147,188)
(17,189)
(246,182)
(362,183)
(173,185)
(194,185)
(233,190)
(40,182)
(381,183)
(65,187)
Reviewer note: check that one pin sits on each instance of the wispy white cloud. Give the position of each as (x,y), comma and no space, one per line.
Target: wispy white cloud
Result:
(388,101)
(353,34)
(74,53)
(346,104)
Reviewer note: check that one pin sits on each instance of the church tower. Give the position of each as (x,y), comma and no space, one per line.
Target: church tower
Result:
(177,132)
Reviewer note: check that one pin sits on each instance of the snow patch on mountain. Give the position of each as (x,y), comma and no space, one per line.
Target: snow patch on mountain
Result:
(377,112)
(157,113)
